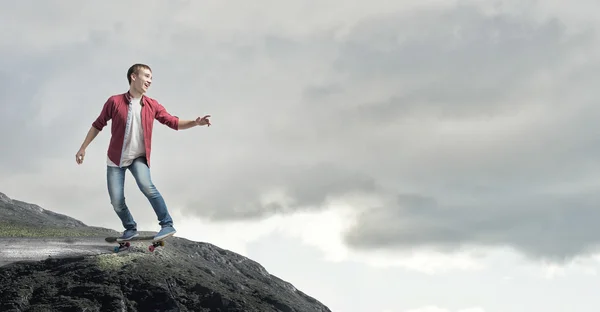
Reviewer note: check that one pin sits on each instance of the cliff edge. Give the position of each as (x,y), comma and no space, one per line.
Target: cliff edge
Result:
(182,276)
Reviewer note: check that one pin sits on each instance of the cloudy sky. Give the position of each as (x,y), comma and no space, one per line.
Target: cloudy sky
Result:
(407,156)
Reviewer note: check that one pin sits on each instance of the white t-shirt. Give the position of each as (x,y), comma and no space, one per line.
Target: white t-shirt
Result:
(134,146)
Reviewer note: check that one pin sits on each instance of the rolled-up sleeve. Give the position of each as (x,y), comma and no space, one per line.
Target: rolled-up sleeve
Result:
(165,118)
(105,115)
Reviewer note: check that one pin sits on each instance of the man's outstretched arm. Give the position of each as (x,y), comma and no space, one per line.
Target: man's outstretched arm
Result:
(91,135)
(175,123)
(200,121)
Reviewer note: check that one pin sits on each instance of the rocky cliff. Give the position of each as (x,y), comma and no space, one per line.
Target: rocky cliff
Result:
(182,276)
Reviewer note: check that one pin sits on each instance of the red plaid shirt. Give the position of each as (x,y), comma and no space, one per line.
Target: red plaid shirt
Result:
(118,108)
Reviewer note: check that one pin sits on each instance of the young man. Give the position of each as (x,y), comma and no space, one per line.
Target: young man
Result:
(132,114)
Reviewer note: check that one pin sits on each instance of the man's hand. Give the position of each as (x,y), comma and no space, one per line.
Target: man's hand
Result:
(92,133)
(79,156)
(201,121)
(187,124)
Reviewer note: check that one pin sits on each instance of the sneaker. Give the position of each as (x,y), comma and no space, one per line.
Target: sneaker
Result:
(127,235)
(164,232)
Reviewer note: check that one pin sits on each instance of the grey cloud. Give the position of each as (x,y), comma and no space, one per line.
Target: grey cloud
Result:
(488,71)
(435,66)
(549,226)
(319,92)
(308,186)
(458,63)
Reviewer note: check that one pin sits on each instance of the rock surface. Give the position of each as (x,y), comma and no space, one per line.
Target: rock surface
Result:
(181,276)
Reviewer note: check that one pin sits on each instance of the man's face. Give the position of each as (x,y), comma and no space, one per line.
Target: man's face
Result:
(141,82)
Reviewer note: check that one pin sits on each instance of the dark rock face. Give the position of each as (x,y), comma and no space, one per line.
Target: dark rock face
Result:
(181,276)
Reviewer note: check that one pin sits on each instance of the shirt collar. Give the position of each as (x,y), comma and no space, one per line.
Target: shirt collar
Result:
(128,97)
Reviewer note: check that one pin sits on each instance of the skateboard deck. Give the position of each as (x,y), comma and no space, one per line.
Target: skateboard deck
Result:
(126,243)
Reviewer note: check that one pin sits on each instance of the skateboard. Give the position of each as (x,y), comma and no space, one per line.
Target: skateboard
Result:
(125,244)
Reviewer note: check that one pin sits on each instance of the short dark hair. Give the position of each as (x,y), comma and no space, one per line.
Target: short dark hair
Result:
(134,69)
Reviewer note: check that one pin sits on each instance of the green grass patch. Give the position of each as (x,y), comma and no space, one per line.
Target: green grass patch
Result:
(115,261)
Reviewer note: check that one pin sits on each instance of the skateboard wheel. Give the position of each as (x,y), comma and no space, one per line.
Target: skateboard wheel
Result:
(151,248)
(127,244)
(162,243)
(116,249)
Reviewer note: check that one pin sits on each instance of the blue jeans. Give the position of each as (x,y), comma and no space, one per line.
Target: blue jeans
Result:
(115,177)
